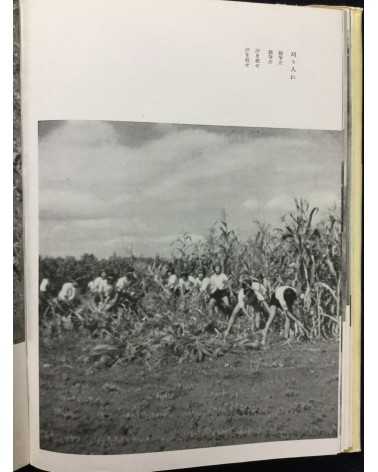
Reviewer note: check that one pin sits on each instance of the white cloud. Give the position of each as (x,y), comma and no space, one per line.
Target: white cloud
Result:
(324,199)
(94,187)
(282,202)
(251,204)
(67,203)
(71,203)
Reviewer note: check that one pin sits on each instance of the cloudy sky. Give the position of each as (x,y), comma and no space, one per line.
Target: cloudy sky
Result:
(110,186)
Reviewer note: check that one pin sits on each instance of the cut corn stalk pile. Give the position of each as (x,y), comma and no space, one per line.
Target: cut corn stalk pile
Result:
(124,336)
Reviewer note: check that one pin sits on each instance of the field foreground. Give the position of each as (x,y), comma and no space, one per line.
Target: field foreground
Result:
(280,393)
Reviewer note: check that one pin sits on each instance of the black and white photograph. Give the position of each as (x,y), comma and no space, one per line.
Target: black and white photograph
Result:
(190,285)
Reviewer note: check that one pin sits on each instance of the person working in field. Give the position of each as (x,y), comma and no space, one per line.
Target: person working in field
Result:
(44,294)
(125,287)
(101,288)
(68,293)
(91,287)
(108,294)
(201,282)
(100,280)
(98,286)
(122,284)
(251,294)
(219,290)
(172,282)
(44,287)
(108,288)
(186,283)
(283,300)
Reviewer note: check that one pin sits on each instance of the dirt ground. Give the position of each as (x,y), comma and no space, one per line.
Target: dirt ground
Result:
(280,393)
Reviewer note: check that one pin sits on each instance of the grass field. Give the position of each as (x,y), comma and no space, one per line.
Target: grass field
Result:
(280,393)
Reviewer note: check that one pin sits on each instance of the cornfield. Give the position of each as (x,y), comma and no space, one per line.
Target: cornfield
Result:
(154,325)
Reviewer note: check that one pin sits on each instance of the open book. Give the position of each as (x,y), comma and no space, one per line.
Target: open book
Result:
(192,214)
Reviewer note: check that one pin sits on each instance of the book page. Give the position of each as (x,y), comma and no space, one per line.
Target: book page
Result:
(183,231)
(21,438)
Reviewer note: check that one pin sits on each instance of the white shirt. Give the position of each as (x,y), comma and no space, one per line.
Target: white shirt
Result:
(202,284)
(107,289)
(197,282)
(99,285)
(218,282)
(192,280)
(188,283)
(67,292)
(279,294)
(44,285)
(122,283)
(259,290)
(172,281)
(91,286)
